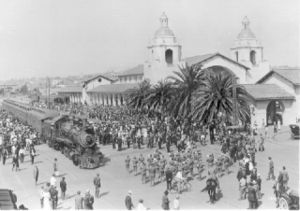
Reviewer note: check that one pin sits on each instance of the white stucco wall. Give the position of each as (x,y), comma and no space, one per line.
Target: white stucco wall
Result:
(297,103)
(156,72)
(239,71)
(94,83)
(260,112)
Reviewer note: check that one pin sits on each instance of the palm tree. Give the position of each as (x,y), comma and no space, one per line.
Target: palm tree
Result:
(159,97)
(216,96)
(137,96)
(185,82)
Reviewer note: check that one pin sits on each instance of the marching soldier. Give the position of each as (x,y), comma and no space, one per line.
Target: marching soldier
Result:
(127,163)
(134,164)
(152,174)
(144,172)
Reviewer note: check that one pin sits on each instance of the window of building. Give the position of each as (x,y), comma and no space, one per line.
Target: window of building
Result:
(169,56)
(253,57)
(237,56)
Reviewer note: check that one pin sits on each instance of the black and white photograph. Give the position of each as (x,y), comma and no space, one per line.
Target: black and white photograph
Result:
(149,105)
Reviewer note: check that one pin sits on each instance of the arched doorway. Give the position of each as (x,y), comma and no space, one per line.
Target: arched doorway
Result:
(274,112)
(169,56)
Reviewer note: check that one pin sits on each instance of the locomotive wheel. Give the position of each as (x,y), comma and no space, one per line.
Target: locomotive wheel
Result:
(283,203)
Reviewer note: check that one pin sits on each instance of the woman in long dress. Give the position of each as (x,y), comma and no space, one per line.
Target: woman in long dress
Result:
(47,205)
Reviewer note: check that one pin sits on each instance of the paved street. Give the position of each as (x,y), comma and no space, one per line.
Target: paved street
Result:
(116,181)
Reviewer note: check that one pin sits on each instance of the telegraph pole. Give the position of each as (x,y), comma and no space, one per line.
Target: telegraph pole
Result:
(48,91)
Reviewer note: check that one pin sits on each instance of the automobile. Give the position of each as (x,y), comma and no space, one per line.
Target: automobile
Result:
(295,131)
(289,200)
(7,201)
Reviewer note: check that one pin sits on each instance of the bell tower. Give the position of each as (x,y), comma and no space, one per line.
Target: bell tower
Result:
(164,52)
(247,49)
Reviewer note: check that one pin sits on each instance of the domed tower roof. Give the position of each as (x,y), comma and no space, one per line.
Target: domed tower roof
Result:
(246,37)
(164,30)
(246,32)
(164,35)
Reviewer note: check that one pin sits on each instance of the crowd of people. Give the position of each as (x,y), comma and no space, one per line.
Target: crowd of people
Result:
(16,139)
(176,157)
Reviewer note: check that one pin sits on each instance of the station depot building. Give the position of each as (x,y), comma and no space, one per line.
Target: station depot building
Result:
(275,90)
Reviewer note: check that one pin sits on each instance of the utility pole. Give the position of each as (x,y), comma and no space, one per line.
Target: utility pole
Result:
(48,85)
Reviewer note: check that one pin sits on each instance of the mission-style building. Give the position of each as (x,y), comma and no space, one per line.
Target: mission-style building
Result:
(275,90)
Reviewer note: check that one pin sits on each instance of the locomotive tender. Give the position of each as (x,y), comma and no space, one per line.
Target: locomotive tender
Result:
(73,136)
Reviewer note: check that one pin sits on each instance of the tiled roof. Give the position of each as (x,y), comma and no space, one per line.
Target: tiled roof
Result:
(292,75)
(202,58)
(288,73)
(138,70)
(197,59)
(114,88)
(70,89)
(267,91)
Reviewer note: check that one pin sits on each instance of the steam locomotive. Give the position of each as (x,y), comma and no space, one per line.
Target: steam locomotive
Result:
(72,135)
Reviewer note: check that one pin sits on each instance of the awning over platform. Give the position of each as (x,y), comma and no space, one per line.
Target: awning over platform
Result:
(114,88)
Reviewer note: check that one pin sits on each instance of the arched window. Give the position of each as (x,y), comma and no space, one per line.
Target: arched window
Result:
(169,56)
(237,56)
(252,57)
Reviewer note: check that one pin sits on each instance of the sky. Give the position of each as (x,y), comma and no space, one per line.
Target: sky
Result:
(41,38)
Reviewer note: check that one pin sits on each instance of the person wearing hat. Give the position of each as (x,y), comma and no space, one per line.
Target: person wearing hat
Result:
(88,201)
(140,205)
(97,184)
(128,201)
(271,169)
(165,201)
(252,197)
(169,177)
(258,180)
(78,201)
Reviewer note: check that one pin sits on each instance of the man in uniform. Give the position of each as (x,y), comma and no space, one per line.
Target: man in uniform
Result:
(152,174)
(144,172)
(169,177)
(127,163)
(128,201)
(97,184)
(63,188)
(271,169)
(134,164)
(252,198)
